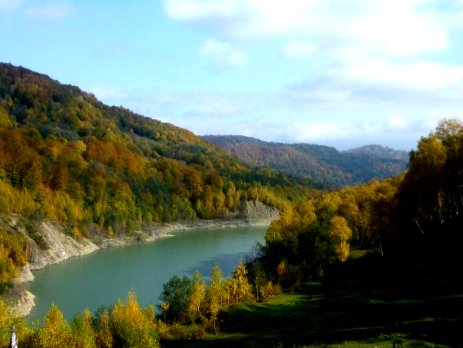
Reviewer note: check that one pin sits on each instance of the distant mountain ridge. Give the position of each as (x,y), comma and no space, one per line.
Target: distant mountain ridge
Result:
(380,152)
(322,164)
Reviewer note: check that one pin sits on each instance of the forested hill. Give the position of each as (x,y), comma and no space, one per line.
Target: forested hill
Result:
(322,164)
(66,156)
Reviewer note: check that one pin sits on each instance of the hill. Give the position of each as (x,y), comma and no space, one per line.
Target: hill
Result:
(110,165)
(322,164)
(104,171)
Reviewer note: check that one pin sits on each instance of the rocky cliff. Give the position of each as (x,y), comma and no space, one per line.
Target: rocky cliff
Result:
(252,210)
(47,244)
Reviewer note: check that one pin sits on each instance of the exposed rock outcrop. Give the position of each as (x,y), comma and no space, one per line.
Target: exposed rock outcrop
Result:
(49,244)
(252,210)
(20,301)
(25,275)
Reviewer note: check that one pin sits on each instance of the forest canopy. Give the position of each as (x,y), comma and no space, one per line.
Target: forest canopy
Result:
(69,157)
(418,214)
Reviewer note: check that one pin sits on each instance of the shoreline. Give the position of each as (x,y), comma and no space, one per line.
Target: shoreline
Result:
(21,302)
(168,229)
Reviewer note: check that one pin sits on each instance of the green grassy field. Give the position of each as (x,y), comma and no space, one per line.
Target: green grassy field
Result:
(394,306)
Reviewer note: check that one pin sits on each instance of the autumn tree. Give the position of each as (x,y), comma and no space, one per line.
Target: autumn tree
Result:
(239,288)
(429,207)
(133,326)
(340,233)
(215,294)
(197,297)
(56,330)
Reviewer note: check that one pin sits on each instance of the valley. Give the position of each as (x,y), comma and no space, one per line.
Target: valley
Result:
(343,235)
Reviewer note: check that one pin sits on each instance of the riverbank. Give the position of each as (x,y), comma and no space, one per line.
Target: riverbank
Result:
(163,230)
(22,301)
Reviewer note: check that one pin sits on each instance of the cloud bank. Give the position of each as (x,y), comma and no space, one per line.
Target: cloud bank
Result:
(368,56)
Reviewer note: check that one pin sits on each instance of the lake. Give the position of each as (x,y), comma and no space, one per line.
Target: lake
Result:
(109,274)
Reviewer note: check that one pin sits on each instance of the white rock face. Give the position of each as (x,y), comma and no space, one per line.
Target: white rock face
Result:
(257,210)
(24,276)
(22,303)
(55,246)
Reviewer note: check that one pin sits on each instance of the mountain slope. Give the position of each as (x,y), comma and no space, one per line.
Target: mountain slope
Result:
(66,156)
(322,164)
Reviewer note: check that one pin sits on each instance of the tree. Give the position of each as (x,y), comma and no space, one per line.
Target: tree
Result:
(132,326)
(83,335)
(340,233)
(56,330)
(214,294)
(198,294)
(259,279)
(177,293)
(104,336)
(239,288)
(448,130)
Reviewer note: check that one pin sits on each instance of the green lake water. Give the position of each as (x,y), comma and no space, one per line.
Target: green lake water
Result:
(102,277)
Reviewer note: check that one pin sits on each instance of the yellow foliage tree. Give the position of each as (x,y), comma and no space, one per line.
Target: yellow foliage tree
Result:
(340,233)
(239,288)
(197,297)
(215,294)
(133,326)
(56,330)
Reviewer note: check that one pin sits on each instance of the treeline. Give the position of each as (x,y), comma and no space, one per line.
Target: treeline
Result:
(104,171)
(126,324)
(188,301)
(320,231)
(189,309)
(322,164)
(414,216)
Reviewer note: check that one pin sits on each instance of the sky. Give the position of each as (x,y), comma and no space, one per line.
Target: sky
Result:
(332,72)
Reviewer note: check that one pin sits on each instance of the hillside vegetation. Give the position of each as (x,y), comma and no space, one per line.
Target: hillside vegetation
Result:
(322,164)
(104,171)
(409,215)
(373,264)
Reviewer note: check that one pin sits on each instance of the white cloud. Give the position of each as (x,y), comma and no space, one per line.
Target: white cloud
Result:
(200,9)
(419,76)
(316,131)
(223,54)
(392,131)
(298,49)
(53,11)
(375,41)
(397,122)
(390,27)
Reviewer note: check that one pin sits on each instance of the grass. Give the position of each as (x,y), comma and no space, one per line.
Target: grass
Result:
(392,306)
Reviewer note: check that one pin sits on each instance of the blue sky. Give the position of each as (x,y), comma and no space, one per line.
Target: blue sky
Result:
(333,72)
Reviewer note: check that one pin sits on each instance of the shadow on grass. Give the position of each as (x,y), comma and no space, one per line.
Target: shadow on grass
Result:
(392,305)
